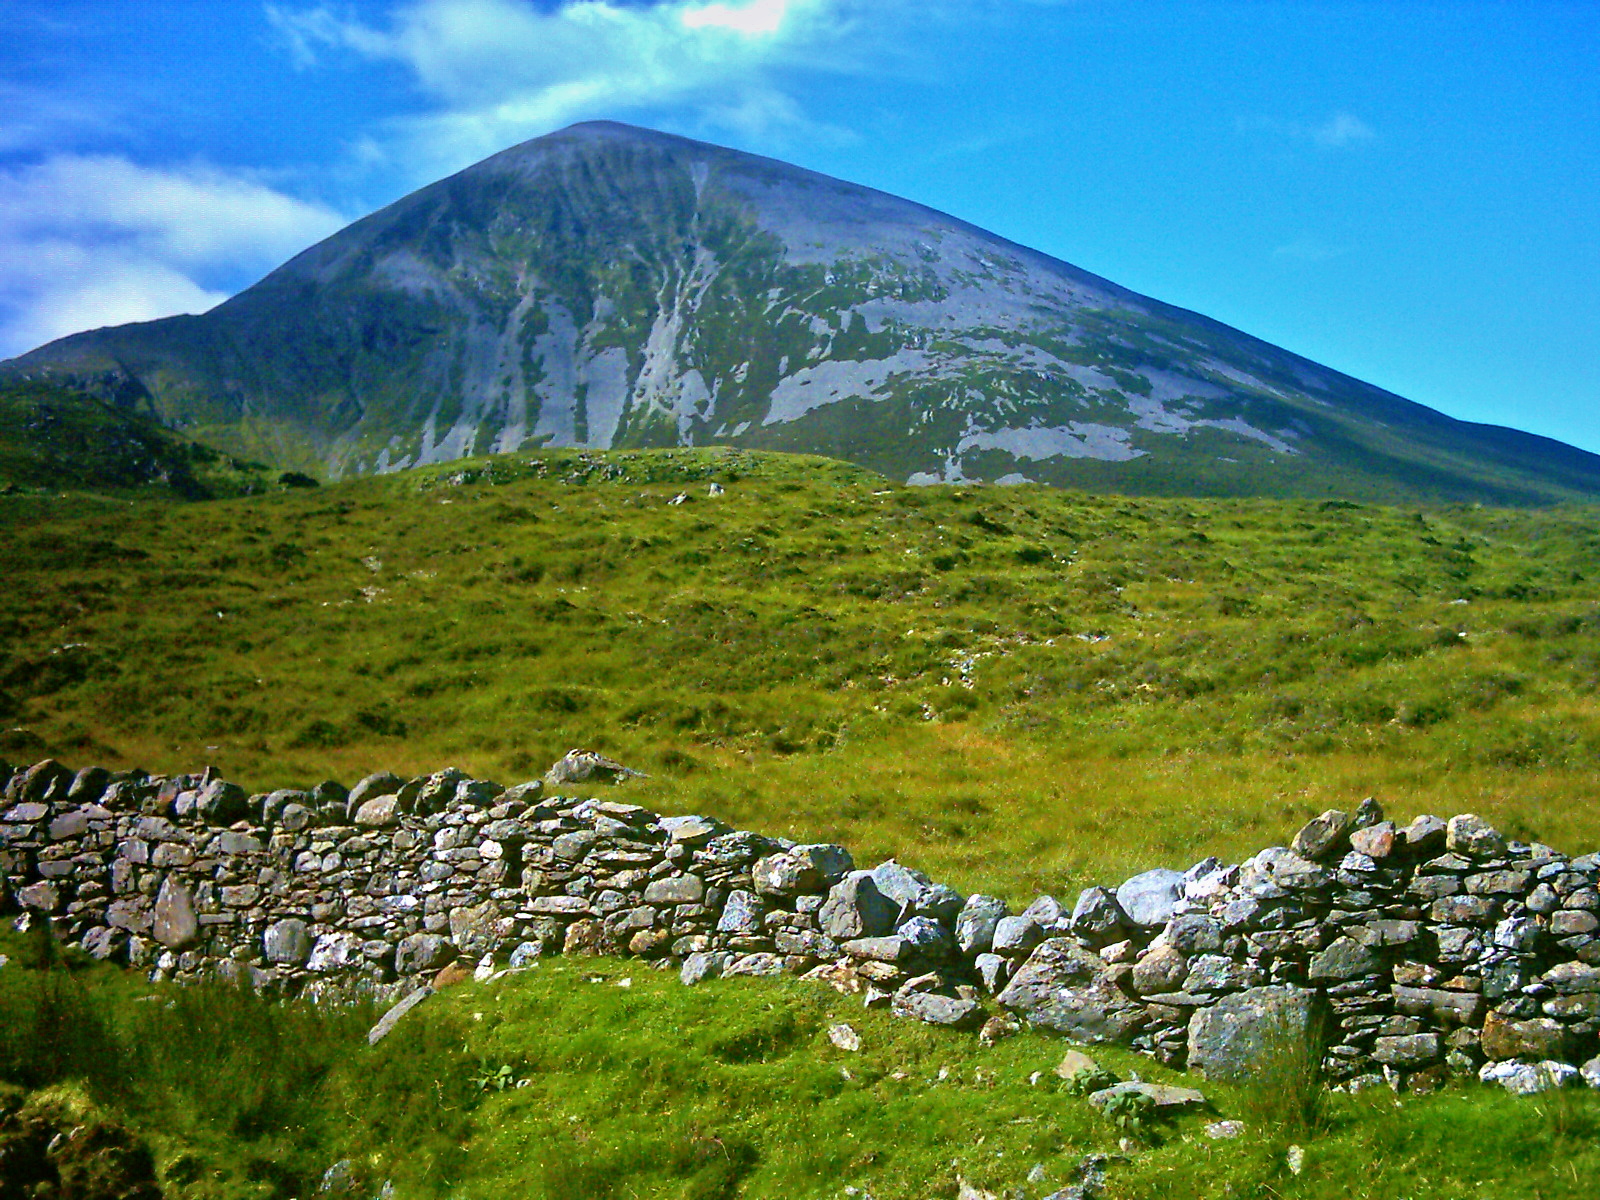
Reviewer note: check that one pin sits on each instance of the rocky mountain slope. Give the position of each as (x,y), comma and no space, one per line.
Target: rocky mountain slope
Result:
(607,286)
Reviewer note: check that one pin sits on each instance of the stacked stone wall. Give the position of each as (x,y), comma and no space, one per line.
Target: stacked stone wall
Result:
(1427,949)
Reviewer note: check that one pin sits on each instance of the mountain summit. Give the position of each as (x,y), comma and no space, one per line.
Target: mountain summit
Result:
(608,286)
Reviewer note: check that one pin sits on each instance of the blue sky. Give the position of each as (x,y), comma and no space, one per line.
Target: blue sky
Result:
(1406,191)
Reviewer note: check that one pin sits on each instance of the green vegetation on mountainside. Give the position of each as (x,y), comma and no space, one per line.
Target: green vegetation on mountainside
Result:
(1016,689)
(53,439)
(601,1078)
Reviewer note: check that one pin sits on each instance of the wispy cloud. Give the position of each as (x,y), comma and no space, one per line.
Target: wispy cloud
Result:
(1342,129)
(495,72)
(1339,131)
(90,241)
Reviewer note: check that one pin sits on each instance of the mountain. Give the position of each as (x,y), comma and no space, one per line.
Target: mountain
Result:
(607,286)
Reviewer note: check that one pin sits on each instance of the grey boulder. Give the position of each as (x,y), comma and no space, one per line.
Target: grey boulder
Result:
(855,908)
(975,923)
(1069,989)
(1152,898)
(1244,1033)
(934,1009)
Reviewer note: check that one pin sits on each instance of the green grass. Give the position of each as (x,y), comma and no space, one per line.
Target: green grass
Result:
(1016,689)
(623,1083)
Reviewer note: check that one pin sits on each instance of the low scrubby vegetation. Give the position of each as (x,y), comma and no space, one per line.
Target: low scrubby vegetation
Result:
(1018,688)
(601,1078)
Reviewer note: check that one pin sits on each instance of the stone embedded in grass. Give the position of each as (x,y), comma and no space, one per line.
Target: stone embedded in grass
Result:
(1240,1034)
(1529,1079)
(933,1009)
(1160,1095)
(845,1037)
(703,965)
(390,1019)
(997,1029)
(1075,1062)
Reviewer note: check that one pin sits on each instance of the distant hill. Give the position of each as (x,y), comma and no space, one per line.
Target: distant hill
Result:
(56,439)
(607,286)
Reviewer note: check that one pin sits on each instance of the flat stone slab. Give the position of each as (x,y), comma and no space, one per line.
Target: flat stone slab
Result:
(1162,1095)
(390,1019)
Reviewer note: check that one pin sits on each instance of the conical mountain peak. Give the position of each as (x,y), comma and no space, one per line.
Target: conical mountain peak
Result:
(611,286)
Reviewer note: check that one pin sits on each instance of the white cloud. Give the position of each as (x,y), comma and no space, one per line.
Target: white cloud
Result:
(1342,129)
(91,241)
(497,72)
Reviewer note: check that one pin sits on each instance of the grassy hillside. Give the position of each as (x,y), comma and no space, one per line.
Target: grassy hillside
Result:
(729,1089)
(1018,689)
(1015,688)
(53,439)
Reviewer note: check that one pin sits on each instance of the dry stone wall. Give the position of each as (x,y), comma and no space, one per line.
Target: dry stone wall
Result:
(1421,950)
